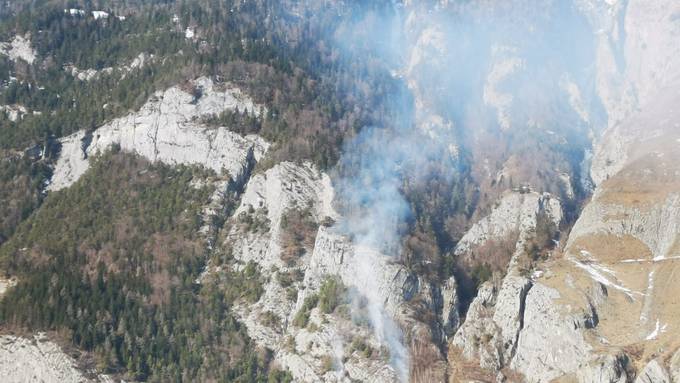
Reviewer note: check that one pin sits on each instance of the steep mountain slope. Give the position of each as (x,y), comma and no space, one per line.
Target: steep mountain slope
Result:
(340,191)
(603,307)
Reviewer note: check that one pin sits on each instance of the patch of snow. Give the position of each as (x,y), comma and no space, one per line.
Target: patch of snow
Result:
(639,260)
(655,332)
(189,33)
(647,306)
(75,12)
(597,275)
(654,260)
(100,15)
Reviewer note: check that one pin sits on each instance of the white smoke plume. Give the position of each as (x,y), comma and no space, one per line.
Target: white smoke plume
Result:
(461,68)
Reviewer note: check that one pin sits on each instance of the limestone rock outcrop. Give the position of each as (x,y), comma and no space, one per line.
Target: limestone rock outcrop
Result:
(38,359)
(515,217)
(654,372)
(495,321)
(321,350)
(168,129)
(606,369)
(19,48)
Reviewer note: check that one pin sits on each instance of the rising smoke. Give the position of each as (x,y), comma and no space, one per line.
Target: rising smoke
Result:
(461,68)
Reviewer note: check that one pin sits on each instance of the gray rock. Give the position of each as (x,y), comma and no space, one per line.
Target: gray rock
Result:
(450,317)
(551,344)
(605,369)
(478,336)
(509,312)
(653,372)
(675,367)
(167,128)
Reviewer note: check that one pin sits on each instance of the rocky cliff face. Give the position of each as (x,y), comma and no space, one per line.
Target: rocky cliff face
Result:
(498,317)
(38,359)
(168,129)
(317,350)
(601,309)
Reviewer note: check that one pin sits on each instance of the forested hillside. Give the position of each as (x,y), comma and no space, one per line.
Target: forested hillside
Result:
(114,261)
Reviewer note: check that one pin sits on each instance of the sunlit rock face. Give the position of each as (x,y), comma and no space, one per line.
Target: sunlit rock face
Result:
(601,71)
(637,64)
(322,349)
(168,129)
(19,48)
(39,359)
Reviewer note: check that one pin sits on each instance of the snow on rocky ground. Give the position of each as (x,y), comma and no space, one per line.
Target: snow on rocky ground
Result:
(37,359)
(19,48)
(615,284)
(535,324)
(167,129)
(97,15)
